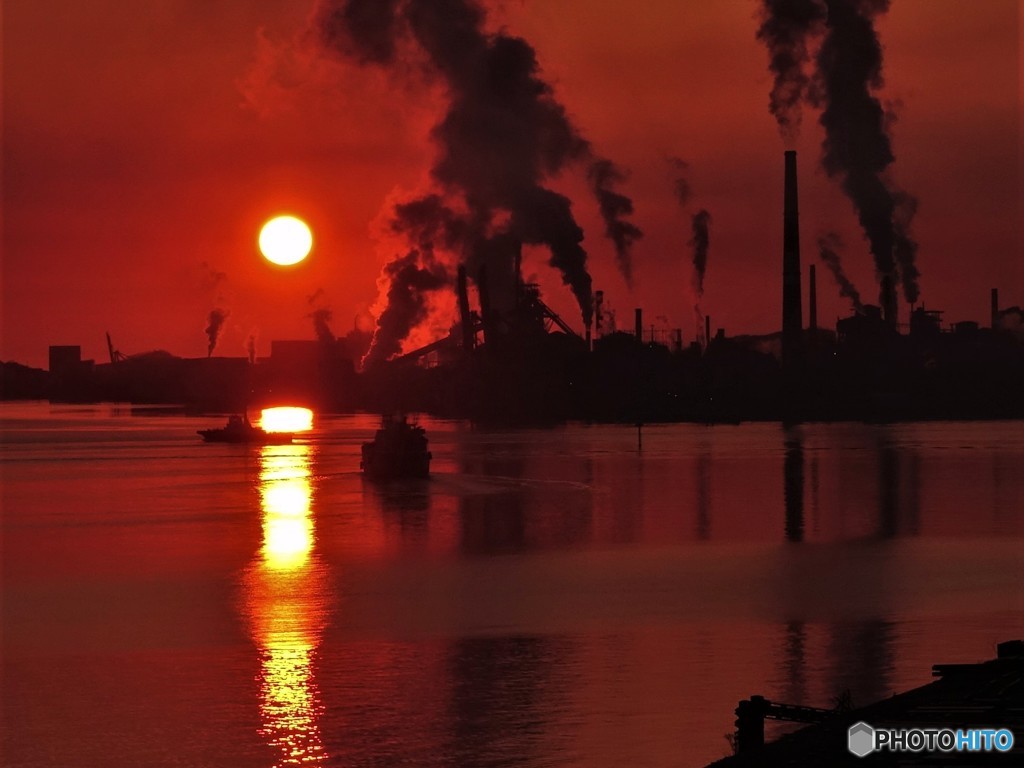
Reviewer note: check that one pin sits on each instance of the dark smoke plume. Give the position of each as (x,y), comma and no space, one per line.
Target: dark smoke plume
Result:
(409,279)
(504,134)
(214,325)
(321,316)
(428,223)
(785,28)
(604,176)
(546,219)
(680,185)
(829,245)
(698,322)
(700,241)
(321,325)
(904,245)
(362,29)
(1011,320)
(857,149)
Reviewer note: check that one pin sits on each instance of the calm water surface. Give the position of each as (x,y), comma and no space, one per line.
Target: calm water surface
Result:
(551,597)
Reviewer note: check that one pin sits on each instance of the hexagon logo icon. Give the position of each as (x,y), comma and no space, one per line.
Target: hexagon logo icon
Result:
(860,739)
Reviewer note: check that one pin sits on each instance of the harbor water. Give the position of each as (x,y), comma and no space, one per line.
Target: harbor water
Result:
(572,596)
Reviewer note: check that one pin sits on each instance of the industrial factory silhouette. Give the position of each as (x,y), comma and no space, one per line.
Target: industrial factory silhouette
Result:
(512,359)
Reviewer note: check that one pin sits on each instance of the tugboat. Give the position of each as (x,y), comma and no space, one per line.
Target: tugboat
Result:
(398,450)
(240,430)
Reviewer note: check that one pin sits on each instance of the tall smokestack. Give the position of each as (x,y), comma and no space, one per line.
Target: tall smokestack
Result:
(707,331)
(639,325)
(792,317)
(485,304)
(995,308)
(813,303)
(589,333)
(517,268)
(464,317)
(888,296)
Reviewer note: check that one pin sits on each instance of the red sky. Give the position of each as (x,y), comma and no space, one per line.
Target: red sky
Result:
(144,143)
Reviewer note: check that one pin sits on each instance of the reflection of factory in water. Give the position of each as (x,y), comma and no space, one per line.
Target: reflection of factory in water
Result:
(510,357)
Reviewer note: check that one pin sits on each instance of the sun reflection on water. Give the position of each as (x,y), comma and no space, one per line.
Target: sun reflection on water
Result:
(287,603)
(286,419)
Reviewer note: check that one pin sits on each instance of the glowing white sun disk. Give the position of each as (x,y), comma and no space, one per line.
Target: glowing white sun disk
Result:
(285,240)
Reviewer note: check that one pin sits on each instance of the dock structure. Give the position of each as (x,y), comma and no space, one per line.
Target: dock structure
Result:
(986,695)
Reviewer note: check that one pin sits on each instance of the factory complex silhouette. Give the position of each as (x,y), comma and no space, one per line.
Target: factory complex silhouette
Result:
(513,360)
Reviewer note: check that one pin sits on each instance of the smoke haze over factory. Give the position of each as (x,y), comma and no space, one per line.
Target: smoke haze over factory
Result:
(144,146)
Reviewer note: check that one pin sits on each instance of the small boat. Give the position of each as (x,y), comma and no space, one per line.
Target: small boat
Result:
(398,450)
(240,430)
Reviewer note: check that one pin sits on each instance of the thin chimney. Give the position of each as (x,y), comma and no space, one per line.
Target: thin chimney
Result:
(485,304)
(995,308)
(639,325)
(813,303)
(464,316)
(889,309)
(517,268)
(707,331)
(792,320)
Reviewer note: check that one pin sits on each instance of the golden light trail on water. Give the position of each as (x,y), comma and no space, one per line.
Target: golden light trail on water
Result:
(286,419)
(286,497)
(287,599)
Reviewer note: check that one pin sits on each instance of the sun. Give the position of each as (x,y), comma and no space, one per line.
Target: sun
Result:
(285,240)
